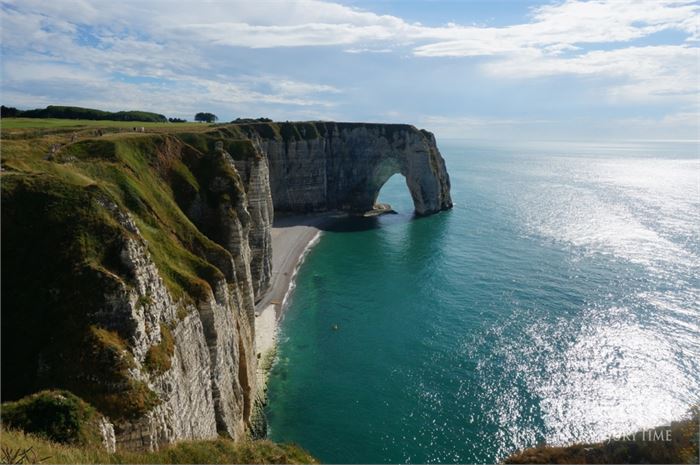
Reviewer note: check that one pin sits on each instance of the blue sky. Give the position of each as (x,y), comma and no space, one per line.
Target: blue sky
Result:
(516,70)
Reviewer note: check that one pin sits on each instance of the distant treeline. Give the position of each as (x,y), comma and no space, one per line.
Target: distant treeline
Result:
(252,120)
(64,112)
(55,111)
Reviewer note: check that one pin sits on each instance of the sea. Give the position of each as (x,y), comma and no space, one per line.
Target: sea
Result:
(557,302)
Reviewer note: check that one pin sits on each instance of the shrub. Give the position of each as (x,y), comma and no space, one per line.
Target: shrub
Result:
(57,415)
(8,112)
(206,117)
(159,356)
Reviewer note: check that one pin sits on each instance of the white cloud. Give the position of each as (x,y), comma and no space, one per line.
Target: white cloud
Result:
(317,23)
(320,23)
(646,72)
(31,84)
(552,44)
(368,50)
(480,127)
(560,26)
(243,91)
(288,87)
(478,121)
(182,43)
(44,61)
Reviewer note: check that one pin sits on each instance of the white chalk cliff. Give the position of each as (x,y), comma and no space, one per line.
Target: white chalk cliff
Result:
(145,306)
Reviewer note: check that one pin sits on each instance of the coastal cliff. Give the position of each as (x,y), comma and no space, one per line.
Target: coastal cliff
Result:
(132,263)
(130,268)
(323,166)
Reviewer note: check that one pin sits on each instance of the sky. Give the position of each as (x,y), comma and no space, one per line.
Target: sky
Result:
(516,70)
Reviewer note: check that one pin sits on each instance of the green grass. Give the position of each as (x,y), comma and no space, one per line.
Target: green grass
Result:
(56,415)
(22,123)
(159,356)
(636,448)
(63,243)
(214,451)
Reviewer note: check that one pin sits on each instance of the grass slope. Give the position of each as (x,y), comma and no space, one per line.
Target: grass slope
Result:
(61,247)
(56,415)
(220,450)
(23,123)
(652,446)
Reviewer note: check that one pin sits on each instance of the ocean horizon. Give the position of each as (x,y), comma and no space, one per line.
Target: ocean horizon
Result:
(557,302)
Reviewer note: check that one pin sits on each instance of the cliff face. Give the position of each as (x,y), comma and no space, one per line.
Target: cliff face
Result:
(132,262)
(254,173)
(342,166)
(131,266)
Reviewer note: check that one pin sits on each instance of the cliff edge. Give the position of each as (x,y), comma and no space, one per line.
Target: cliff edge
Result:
(132,261)
(130,266)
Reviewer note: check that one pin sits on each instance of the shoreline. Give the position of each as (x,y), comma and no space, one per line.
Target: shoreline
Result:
(293,236)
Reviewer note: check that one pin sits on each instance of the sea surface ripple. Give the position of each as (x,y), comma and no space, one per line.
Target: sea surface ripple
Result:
(558,302)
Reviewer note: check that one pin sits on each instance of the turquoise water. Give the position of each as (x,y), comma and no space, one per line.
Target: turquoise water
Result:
(558,301)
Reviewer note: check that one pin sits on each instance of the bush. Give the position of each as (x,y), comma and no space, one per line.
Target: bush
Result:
(8,112)
(206,117)
(57,415)
(159,356)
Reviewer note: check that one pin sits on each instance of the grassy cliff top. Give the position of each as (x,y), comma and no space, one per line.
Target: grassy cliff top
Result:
(64,191)
(22,123)
(63,188)
(675,443)
(37,449)
(36,127)
(62,194)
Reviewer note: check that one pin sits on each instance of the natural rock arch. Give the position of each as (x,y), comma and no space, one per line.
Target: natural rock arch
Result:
(423,183)
(345,167)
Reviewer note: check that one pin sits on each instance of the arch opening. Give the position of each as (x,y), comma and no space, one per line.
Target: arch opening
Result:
(394,195)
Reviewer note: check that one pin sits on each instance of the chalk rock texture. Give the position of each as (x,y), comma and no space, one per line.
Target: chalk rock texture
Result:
(342,166)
